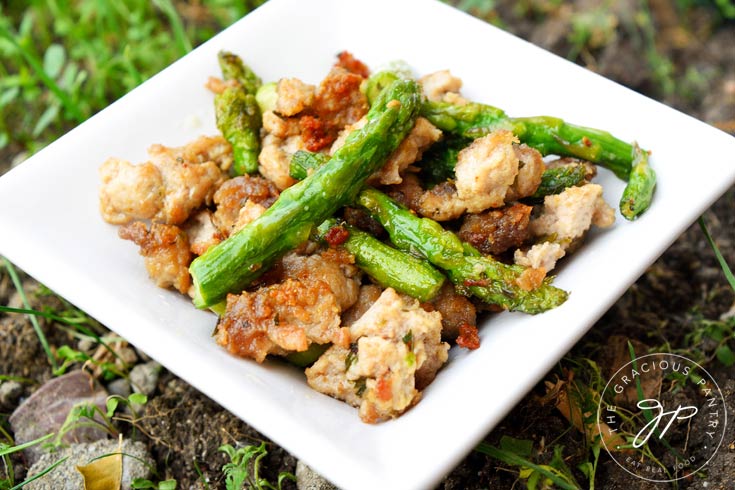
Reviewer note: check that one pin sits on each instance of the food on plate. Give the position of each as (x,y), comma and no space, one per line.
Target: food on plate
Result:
(355,227)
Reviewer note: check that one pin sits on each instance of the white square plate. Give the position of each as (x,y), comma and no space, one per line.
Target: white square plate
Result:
(50,226)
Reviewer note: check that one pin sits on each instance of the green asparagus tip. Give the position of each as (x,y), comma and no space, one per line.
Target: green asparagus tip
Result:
(638,194)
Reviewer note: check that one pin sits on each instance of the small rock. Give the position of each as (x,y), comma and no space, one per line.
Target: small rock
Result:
(136,464)
(47,408)
(127,355)
(308,479)
(120,387)
(144,377)
(10,391)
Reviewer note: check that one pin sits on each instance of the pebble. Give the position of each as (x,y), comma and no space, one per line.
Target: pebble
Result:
(136,464)
(308,479)
(47,408)
(144,377)
(10,391)
(120,387)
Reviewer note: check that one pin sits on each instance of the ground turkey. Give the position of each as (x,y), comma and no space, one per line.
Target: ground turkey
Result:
(394,344)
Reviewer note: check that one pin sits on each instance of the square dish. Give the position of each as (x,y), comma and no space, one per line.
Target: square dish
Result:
(60,239)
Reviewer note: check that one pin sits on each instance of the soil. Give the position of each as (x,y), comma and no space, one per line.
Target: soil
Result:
(182,426)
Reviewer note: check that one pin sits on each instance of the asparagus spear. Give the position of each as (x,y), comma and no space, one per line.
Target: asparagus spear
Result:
(555,180)
(239,120)
(234,69)
(234,263)
(388,266)
(303,161)
(238,115)
(549,135)
(438,162)
(267,96)
(484,277)
(637,194)
(307,357)
(377,82)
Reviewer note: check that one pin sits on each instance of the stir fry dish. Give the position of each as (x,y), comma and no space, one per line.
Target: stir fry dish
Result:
(358,227)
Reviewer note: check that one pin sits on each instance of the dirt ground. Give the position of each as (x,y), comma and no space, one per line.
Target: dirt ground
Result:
(686,283)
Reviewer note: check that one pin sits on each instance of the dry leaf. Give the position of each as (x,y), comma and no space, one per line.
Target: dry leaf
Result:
(619,355)
(569,407)
(104,473)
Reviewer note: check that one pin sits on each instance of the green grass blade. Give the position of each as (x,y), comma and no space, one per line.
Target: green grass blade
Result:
(34,321)
(26,445)
(37,66)
(723,263)
(39,475)
(515,460)
(182,40)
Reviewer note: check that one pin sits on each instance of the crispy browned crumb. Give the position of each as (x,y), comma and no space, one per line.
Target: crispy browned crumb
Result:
(531,278)
(232,196)
(285,317)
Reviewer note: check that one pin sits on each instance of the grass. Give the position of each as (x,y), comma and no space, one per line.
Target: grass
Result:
(34,321)
(63,61)
(8,482)
(243,470)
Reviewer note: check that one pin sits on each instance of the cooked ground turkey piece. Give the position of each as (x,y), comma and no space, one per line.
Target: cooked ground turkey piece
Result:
(485,170)
(338,103)
(302,308)
(362,220)
(202,232)
(166,252)
(275,157)
(281,127)
(248,213)
(284,317)
(438,84)
(293,96)
(570,214)
(488,173)
(396,342)
(346,60)
(542,255)
(368,294)
(419,139)
(456,310)
(167,188)
(409,192)
(441,202)
(217,85)
(232,196)
(530,169)
(497,230)
(333,266)
(564,219)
